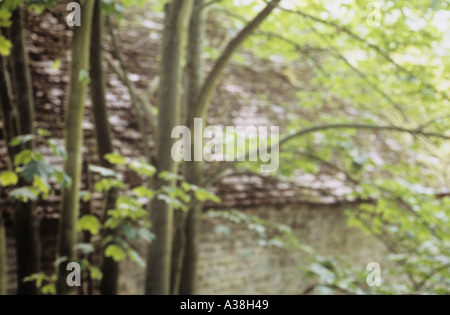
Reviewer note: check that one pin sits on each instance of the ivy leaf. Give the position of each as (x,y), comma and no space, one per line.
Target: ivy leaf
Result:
(8,178)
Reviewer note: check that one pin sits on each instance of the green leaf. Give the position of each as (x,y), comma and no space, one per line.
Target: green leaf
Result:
(169,176)
(44,133)
(85,248)
(37,168)
(24,194)
(57,149)
(23,157)
(130,232)
(60,260)
(134,255)
(116,159)
(84,77)
(95,273)
(203,195)
(115,252)
(5,46)
(49,288)
(42,186)
(89,223)
(105,172)
(19,140)
(106,184)
(56,64)
(63,179)
(146,235)
(143,192)
(8,178)
(85,195)
(143,168)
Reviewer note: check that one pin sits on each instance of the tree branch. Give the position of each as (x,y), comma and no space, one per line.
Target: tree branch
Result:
(417,132)
(376,48)
(136,100)
(212,80)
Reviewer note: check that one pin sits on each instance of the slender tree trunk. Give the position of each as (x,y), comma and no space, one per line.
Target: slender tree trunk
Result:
(110,268)
(6,110)
(198,109)
(187,225)
(3,265)
(73,138)
(25,218)
(161,214)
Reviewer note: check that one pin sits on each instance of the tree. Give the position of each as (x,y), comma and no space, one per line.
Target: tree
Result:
(73,139)
(161,213)
(185,242)
(103,135)
(25,217)
(6,111)
(199,99)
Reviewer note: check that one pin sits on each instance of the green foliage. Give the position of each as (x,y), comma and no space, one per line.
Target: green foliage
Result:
(43,282)
(35,171)
(270,234)
(8,178)
(89,223)
(127,222)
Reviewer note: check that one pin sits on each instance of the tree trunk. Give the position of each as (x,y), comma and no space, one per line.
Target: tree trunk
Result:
(73,139)
(187,225)
(197,109)
(161,214)
(25,218)
(110,268)
(6,110)
(3,253)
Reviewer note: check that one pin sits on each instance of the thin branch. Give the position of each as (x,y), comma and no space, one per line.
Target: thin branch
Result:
(208,4)
(212,80)
(136,101)
(431,274)
(416,132)
(380,51)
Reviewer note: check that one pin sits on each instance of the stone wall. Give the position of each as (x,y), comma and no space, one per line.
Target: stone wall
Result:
(232,262)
